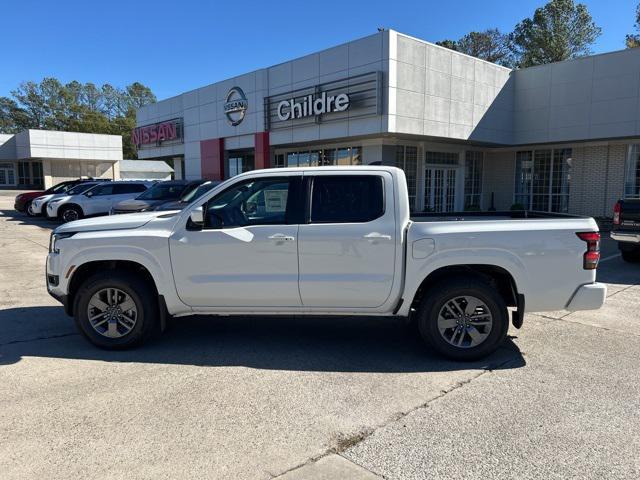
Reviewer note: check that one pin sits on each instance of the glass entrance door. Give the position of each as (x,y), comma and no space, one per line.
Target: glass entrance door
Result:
(440,189)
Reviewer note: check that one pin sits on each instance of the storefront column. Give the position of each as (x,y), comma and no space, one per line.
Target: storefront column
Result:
(262,150)
(212,159)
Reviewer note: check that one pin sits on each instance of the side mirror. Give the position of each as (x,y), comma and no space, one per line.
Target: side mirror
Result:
(197,216)
(196,220)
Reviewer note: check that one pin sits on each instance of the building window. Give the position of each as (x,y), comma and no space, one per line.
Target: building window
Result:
(407,160)
(240,163)
(36,174)
(473,163)
(24,176)
(632,173)
(441,158)
(313,158)
(543,180)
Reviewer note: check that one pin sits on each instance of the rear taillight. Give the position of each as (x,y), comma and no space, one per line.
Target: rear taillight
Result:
(616,213)
(592,256)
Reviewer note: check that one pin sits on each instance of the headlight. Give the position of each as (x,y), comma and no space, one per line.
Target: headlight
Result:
(55,238)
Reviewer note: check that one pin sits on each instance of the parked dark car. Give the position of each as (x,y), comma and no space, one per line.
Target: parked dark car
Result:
(626,229)
(188,197)
(23,200)
(161,192)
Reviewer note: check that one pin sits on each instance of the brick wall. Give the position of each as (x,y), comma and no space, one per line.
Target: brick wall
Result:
(597,179)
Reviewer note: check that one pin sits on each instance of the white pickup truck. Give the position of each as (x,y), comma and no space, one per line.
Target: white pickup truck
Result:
(322,241)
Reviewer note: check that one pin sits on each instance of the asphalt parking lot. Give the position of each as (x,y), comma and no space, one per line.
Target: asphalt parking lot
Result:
(298,398)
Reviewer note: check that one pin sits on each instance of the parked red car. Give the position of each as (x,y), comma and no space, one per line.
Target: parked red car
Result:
(23,200)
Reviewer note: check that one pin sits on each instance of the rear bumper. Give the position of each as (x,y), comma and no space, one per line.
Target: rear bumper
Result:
(588,297)
(626,237)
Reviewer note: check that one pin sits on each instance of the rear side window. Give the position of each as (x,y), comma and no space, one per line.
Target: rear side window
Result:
(347,198)
(121,189)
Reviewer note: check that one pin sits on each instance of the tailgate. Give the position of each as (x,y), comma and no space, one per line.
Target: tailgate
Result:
(629,215)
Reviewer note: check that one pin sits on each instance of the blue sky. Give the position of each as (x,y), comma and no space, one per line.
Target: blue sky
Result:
(175,46)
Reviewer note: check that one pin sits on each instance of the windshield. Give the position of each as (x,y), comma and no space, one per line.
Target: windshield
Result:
(78,189)
(163,191)
(59,188)
(198,192)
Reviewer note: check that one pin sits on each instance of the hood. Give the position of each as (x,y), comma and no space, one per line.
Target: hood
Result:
(29,195)
(113,222)
(44,198)
(136,205)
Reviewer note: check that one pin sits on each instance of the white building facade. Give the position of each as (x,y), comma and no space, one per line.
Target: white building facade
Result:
(469,134)
(42,158)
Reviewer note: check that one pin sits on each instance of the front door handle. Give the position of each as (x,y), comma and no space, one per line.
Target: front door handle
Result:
(281,237)
(374,236)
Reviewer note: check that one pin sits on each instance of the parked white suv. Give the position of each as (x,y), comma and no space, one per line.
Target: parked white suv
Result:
(95,201)
(39,205)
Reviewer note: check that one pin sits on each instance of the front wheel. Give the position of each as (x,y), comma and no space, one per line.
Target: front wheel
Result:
(70,213)
(115,310)
(29,209)
(463,318)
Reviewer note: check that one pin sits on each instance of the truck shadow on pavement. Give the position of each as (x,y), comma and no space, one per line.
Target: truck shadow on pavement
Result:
(333,344)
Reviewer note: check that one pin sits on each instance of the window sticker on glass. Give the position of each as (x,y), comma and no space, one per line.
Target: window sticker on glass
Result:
(275,200)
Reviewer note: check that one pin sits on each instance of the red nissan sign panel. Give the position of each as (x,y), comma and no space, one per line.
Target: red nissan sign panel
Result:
(157,133)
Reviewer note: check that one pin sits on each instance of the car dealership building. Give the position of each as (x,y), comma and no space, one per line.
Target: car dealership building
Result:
(469,134)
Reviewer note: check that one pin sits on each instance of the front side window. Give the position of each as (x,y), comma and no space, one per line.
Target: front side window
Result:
(256,202)
(163,191)
(102,190)
(632,173)
(347,198)
(126,188)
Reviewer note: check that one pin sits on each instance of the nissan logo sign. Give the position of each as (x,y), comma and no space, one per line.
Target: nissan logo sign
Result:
(235,106)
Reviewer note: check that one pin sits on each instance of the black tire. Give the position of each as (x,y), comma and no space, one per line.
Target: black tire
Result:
(27,209)
(631,256)
(143,296)
(70,213)
(448,290)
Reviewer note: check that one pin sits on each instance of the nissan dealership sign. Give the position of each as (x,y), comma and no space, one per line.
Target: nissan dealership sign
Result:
(157,133)
(312,105)
(338,100)
(235,106)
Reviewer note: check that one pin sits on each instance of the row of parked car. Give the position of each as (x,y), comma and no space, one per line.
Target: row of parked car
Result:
(86,197)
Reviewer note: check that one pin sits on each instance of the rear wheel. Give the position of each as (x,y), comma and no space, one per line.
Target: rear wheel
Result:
(116,310)
(463,318)
(70,213)
(631,256)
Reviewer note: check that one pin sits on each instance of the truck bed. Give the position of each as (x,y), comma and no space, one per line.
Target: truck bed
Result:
(487,216)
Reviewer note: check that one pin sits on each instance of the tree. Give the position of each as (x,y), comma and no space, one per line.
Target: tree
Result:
(75,107)
(489,45)
(633,40)
(560,30)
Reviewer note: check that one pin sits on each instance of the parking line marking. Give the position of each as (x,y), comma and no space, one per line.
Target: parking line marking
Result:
(610,257)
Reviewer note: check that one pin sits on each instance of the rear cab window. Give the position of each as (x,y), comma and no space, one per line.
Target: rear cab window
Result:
(346,198)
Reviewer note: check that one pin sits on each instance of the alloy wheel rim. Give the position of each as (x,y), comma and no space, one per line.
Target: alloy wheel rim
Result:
(70,215)
(112,313)
(464,321)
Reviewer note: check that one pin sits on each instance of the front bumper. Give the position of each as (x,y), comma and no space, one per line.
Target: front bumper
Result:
(19,206)
(588,297)
(626,237)
(52,279)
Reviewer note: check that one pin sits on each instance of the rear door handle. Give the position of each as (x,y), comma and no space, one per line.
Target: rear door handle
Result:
(281,237)
(376,236)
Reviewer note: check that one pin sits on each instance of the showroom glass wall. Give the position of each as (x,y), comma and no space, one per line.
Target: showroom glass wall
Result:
(632,173)
(543,179)
(319,157)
